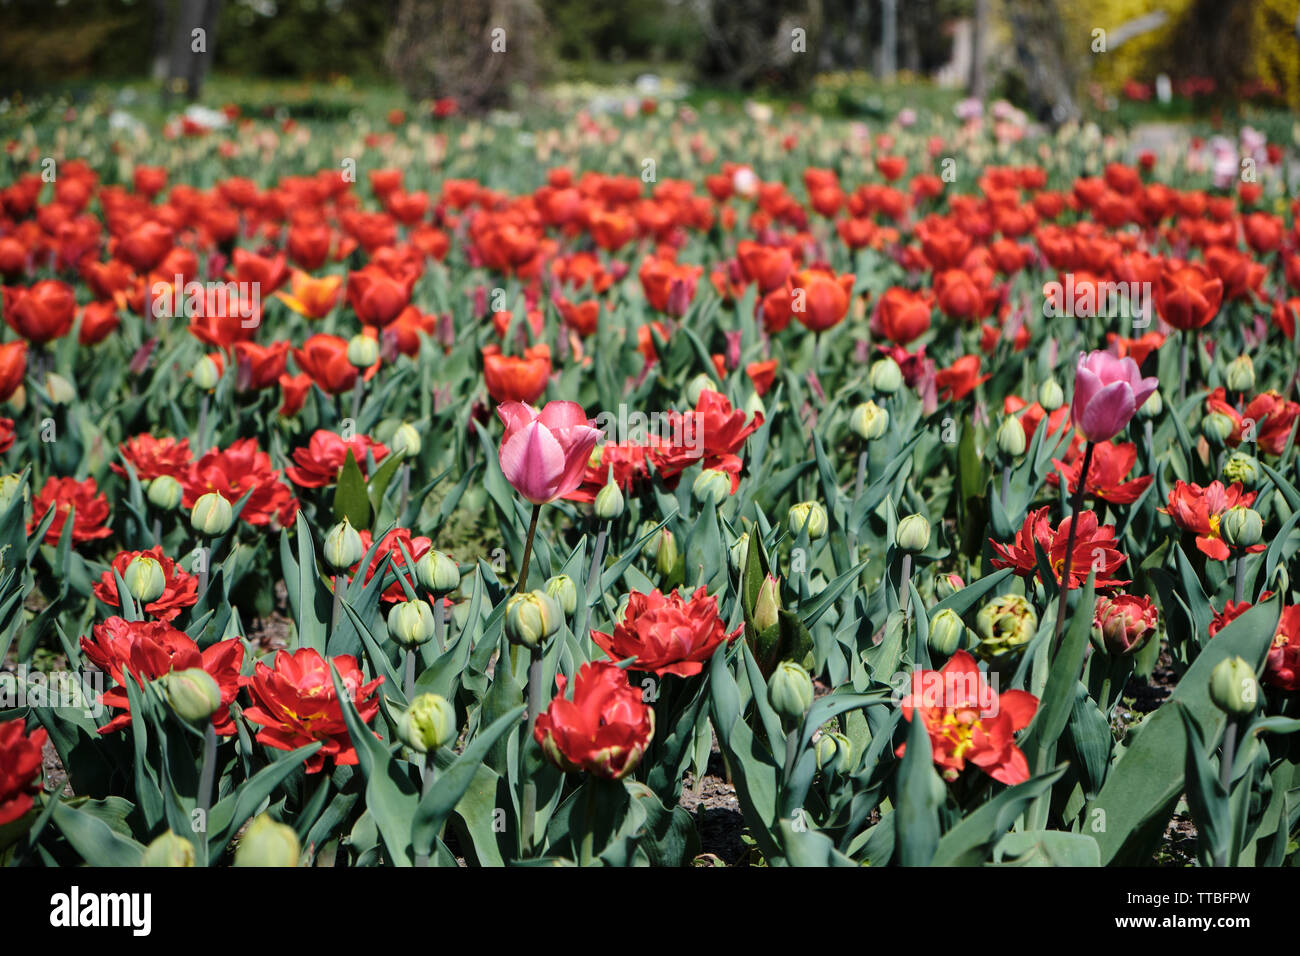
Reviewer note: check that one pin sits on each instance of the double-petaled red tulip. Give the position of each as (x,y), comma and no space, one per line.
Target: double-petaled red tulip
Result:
(1110,467)
(904,315)
(151,457)
(1126,621)
(711,433)
(515,378)
(1107,393)
(180,588)
(233,472)
(319,463)
(1188,297)
(544,454)
(604,730)
(41,313)
(667,635)
(395,546)
(148,650)
(63,495)
(819,299)
(295,704)
(325,359)
(1094,549)
(968,721)
(13,366)
(21,758)
(1268,416)
(1199,510)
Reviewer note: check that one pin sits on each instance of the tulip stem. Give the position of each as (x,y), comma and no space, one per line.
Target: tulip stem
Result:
(1006,484)
(410,675)
(1183,368)
(1239,577)
(904,585)
(1227,756)
(357,391)
(405,494)
(338,602)
(597,560)
(206,776)
(439,624)
(1076,506)
(157,531)
(203,421)
(587,850)
(534,708)
(522,584)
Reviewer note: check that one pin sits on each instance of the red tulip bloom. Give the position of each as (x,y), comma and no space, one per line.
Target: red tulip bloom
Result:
(392,545)
(512,378)
(41,313)
(1198,510)
(293,393)
(295,703)
(762,374)
(13,366)
(325,359)
(259,366)
(769,266)
(604,730)
(377,297)
(667,635)
(151,457)
(1189,297)
(232,473)
(180,588)
(145,246)
(1094,548)
(668,287)
(148,650)
(21,758)
(1282,668)
(267,273)
(1126,621)
(319,463)
(960,379)
(904,315)
(712,433)
(820,299)
(969,721)
(1240,273)
(1110,467)
(1231,611)
(1266,420)
(99,320)
(961,296)
(63,495)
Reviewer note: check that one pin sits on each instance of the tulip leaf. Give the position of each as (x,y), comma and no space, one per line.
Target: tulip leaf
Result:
(350,500)
(921,793)
(230,813)
(1047,848)
(971,841)
(94,840)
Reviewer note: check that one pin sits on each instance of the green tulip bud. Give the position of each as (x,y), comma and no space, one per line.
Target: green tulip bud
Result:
(59,389)
(212,515)
(1050,395)
(834,752)
(790,690)
(1233,687)
(165,493)
(363,351)
(1243,468)
(564,592)
(809,516)
(1152,407)
(410,623)
(428,724)
(697,386)
(869,421)
(343,547)
(886,376)
(609,502)
(193,694)
(531,618)
(754,406)
(169,850)
(767,606)
(946,585)
(913,534)
(1006,624)
(206,374)
(1216,426)
(1241,527)
(406,441)
(666,555)
(738,552)
(1011,437)
(946,632)
(1240,374)
(438,572)
(267,843)
(712,486)
(144,578)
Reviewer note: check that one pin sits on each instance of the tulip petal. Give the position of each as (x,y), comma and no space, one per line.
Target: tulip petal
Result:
(533,462)
(1108,411)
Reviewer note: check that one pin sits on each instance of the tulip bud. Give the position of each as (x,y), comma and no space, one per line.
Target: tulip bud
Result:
(834,753)
(913,533)
(651,548)
(206,374)
(810,516)
(193,694)
(946,585)
(144,578)
(1241,527)
(697,386)
(1240,374)
(1233,687)
(1243,468)
(767,606)
(531,618)
(428,724)
(1011,437)
(886,376)
(1050,395)
(1122,625)
(712,486)
(406,441)
(609,502)
(1216,426)
(438,573)
(564,591)
(59,389)
(790,690)
(946,632)
(165,493)
(666,556)
(267,843)
(212,515)
(1152,407)
(754,406)
(410,623)
(169,850)
(738,552)
(1006,624)
(869,421)
(363,351)
(343,547)
(9,488)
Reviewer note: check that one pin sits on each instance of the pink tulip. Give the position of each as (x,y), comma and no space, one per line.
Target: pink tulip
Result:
(544,455)
(1107,392)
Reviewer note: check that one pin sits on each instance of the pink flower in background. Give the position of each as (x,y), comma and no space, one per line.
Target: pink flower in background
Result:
(1107,392)
(544,455)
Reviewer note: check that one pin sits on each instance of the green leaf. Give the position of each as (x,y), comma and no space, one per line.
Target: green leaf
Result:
(350,498)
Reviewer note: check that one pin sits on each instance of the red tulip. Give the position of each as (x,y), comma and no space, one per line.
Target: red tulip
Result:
(232,473)
(512,378)
(325,359)
(604,730)
(1188,298)
(319,463)
(667,635)
(1094,548)
(151,457)
(820,299)
(1198,510)
(63,495)
(13,366)
(21,759)
(41,313)
(1110,466)
(180,588)
(904,315)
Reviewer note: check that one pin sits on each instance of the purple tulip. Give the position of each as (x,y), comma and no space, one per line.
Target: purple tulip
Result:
(1107,392)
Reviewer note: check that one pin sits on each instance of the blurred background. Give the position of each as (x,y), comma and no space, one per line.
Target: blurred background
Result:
(1054,59)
